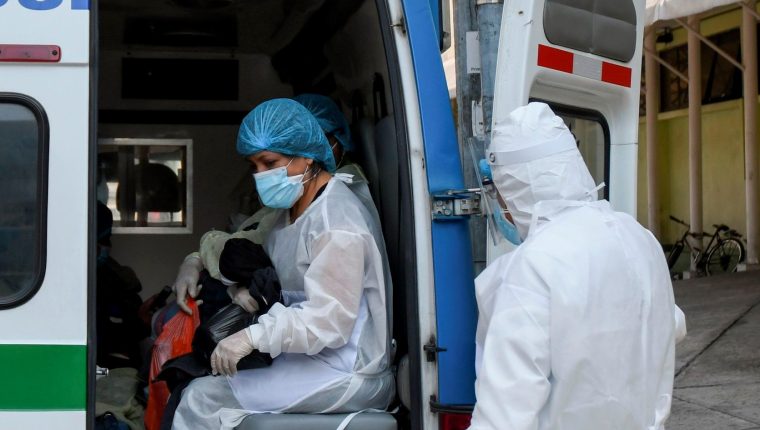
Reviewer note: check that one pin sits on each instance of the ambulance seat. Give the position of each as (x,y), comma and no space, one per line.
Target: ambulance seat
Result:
(362,421)
(364,141)
(388,183)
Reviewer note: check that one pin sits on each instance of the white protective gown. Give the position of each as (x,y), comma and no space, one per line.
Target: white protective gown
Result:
(212,242)
(330,340)
(577,326)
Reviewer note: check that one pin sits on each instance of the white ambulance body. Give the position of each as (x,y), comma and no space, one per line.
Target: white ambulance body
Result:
(92,93)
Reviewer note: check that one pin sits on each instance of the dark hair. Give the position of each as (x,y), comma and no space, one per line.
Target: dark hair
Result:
(104,223)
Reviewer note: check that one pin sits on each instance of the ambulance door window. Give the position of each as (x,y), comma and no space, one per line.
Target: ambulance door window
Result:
(592,135)
(603,27)
(23,177)
(589,136)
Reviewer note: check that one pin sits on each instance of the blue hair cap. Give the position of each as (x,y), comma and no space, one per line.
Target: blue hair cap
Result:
(286,127)
(329,117)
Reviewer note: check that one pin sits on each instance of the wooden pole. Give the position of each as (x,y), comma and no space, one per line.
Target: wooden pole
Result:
(695,128)
(749,60)
(652,98)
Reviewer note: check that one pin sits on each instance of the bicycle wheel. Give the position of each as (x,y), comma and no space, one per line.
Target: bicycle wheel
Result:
(725,257)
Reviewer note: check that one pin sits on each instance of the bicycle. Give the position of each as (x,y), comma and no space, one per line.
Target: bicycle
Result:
(723,253)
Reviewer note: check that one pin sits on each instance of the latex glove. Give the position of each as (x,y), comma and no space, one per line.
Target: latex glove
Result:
(229,351)
(187,281)
(242,297)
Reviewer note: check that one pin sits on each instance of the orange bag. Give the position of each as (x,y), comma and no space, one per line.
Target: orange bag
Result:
(175,339)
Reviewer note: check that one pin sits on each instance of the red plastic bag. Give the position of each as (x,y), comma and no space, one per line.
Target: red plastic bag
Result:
(175,339)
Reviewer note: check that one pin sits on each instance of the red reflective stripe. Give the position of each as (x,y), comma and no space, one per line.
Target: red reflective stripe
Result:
(617,75)
(30,53)
(452,421)
(556,59)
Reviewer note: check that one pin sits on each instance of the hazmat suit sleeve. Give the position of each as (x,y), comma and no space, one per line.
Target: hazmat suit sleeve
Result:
(680,331)
(513,381)
(333,286)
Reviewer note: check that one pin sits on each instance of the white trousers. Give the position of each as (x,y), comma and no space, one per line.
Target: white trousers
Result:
(202,402)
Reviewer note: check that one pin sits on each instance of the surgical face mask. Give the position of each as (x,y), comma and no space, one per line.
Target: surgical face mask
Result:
(278,190)
(507,229)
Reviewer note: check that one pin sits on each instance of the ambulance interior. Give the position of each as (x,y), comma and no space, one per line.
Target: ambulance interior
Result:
(176,77)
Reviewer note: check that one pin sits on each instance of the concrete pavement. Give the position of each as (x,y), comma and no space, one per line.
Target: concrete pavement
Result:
(717,383)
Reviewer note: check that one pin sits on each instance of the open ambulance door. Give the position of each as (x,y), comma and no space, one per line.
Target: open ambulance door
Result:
(44,229)
(584,60)
(443,363)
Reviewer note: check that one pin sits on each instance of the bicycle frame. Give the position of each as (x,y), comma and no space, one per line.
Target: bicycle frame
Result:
(698,255)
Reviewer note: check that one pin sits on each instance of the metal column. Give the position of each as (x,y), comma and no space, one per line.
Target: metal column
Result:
(652,78)
(749,59)
(695,128)
(489,24)
(468,90)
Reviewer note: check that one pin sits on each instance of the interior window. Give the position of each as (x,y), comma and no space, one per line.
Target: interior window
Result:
(145,183)
(23,149)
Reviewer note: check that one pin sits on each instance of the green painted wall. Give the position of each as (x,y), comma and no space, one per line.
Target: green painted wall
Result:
(722,155)
(722,168)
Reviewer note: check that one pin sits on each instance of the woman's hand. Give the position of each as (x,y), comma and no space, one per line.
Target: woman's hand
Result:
(229,351)
(242,297)
(187,281)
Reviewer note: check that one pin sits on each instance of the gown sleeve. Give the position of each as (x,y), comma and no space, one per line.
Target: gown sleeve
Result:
(333,286)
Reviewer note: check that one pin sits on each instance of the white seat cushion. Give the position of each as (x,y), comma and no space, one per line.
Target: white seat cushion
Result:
(362,421)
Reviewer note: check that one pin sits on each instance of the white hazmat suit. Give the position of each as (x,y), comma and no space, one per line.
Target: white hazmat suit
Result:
(577,328)
(330,340)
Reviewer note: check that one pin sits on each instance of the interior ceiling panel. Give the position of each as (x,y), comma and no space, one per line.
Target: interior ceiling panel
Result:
(264,27)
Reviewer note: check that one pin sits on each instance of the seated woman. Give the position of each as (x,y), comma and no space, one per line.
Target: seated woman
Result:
(330,340)
(256,228)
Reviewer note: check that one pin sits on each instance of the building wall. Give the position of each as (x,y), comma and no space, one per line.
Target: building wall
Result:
(722,155)
(722,168)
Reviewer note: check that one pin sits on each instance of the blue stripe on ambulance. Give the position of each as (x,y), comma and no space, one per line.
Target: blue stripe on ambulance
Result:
(456,311)
(43,5)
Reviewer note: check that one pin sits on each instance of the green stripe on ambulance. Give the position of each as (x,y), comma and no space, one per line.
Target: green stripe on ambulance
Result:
(43,377)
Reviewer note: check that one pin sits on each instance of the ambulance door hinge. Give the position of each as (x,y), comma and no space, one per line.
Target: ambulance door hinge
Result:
(432,349)
(400,24)
(456,204)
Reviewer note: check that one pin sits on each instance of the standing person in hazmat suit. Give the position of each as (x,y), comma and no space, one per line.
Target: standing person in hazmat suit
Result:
(330,338)
(578,325)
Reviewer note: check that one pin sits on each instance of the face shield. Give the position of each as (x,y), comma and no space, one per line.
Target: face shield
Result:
(493,207)
(536,165)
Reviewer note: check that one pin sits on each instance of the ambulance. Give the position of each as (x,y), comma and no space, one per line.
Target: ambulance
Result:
(139,102)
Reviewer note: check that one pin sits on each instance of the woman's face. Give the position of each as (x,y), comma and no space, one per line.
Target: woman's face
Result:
(267,160)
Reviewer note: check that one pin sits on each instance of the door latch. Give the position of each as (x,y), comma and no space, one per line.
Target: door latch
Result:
(456,204)
(432,349)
